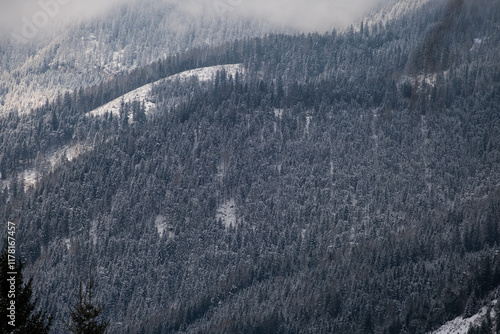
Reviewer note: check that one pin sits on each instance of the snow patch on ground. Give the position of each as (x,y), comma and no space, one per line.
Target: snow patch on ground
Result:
(460,325)
(67,242)
(30,178)
(143,94)
(51,161)
(308,123)
(303,233)
(226,213)
(278,113)
(69,152)
(477,43)
(429,79)
(162,227)
(93,233)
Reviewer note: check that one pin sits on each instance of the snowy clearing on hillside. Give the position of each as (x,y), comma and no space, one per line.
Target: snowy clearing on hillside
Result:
(140,94)
(67,152)
(143,94)
(51,161)
(461,326)
(207,73)
(226,213)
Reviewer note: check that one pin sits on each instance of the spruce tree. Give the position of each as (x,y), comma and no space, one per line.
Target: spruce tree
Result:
(85,315)
(17,309)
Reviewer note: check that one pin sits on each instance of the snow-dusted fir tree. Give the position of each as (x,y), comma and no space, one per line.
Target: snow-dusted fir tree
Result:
(85,315)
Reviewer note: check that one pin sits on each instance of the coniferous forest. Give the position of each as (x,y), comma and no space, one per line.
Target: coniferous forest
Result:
(346,182)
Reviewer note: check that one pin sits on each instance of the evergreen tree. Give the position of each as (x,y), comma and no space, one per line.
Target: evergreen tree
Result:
(16,304)
(139,112)
(85,315)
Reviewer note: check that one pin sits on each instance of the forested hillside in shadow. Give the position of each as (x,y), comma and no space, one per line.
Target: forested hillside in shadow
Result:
(342,183)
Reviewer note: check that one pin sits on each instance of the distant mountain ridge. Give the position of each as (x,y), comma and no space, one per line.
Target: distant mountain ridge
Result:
(90,52)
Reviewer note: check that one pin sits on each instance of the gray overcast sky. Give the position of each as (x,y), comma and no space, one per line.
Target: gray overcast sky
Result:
(18,14)
(306,15)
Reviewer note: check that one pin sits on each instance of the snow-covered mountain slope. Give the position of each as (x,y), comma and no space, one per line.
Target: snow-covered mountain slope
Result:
(50,161)
(92,51)
(143,94)
(389,11)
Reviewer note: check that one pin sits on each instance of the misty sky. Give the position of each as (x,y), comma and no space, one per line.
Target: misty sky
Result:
(306,15)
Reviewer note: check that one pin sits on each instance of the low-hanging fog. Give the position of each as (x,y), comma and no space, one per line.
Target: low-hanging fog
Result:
(30,17)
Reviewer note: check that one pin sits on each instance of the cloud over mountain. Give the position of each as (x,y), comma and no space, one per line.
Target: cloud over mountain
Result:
(31,17)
